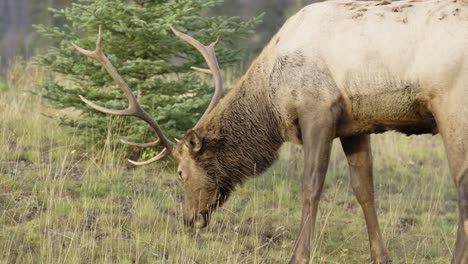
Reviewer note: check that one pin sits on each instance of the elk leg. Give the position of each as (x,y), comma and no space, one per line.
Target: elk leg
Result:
(317,136)
(451,115)
(359,156)
(458,162)
(462,237)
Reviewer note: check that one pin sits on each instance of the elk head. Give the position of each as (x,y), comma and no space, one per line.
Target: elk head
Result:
(201,194)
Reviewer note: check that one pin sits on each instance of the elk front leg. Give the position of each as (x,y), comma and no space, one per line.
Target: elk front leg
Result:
(458,161)
(359,155)
(451,115)
(317,136)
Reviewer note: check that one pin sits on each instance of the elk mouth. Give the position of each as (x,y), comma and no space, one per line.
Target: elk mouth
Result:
(200,221)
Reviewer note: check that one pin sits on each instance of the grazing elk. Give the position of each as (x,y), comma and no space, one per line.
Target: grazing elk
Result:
(341,69)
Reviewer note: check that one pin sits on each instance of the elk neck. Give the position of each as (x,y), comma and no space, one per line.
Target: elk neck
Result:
(242,135)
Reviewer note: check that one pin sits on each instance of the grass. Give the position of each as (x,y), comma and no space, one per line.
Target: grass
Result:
(61,202)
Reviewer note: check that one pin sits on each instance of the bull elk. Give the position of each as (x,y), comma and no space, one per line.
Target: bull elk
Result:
(341,69)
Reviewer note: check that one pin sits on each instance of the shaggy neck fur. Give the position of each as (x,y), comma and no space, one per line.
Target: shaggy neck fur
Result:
(241,136)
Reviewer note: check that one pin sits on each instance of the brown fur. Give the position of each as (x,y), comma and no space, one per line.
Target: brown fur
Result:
(241,139)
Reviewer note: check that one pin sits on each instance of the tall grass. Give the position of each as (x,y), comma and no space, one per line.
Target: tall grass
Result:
(62,202)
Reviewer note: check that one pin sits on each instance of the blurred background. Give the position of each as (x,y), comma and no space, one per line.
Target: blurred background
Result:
(18,37)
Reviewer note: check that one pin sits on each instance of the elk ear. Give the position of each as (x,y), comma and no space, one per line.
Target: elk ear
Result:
(193,141)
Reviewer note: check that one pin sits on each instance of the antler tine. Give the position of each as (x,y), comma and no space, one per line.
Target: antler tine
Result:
(134,108)
(153,159)
(201,70)
(99,56)
(209,55)
(142,145)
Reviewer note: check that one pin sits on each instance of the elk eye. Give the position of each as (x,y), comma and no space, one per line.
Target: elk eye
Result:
(180,176)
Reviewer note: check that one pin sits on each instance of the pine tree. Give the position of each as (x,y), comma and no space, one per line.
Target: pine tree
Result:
(138,41)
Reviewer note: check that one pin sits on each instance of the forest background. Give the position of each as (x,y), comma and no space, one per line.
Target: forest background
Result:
(18,37)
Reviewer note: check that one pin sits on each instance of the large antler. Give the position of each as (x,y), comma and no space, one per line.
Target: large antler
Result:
(208,53)
(134,108)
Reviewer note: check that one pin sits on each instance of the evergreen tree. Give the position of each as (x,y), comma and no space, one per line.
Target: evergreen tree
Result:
(156,65)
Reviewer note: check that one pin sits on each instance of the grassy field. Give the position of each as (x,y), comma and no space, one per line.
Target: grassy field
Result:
(62,202)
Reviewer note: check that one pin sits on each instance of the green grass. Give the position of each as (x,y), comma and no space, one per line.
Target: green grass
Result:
(62,202)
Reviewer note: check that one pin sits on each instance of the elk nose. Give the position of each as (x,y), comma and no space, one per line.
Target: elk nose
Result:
(200,221)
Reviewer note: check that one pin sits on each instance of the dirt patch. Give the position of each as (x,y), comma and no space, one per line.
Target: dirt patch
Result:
(16,168)
(404,224)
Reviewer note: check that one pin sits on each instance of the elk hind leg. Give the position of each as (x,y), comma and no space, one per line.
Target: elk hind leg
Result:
(358,153)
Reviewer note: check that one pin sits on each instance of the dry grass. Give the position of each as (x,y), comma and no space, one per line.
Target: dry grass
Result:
(62,203)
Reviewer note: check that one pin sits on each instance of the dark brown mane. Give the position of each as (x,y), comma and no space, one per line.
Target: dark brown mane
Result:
(241,139)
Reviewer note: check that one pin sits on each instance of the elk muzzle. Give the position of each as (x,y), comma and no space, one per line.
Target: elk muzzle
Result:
(198,221)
